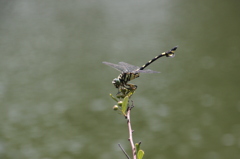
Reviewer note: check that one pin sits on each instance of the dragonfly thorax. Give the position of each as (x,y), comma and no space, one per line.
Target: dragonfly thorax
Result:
(123,78)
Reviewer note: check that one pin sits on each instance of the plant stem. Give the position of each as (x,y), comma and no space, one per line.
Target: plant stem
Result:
(130,133)
(124,151)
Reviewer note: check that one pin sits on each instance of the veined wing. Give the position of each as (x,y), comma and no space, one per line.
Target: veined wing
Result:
(129,67)
(125,67)
(115,66)
(146,71)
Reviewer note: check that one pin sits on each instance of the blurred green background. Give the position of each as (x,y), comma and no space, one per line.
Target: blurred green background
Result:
(54,89)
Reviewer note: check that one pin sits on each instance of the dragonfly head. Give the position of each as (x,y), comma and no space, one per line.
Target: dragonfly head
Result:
(116,82)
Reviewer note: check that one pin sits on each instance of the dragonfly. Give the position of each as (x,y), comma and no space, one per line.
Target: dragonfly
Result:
(130,72)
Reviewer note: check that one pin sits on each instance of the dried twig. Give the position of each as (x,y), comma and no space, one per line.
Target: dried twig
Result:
(124,151)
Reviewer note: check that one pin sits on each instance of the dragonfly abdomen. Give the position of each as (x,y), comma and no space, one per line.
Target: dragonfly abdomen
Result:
(169,53)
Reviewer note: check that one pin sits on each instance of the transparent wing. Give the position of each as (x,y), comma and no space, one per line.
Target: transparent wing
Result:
(125,67)
(129,67)
(146,71)
(115,66)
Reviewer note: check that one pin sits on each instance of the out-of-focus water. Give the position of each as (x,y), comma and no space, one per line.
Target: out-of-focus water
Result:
(54,88)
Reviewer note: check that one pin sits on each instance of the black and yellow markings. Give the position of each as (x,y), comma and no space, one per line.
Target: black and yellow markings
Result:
(169,53)
(130,72)
(125,77)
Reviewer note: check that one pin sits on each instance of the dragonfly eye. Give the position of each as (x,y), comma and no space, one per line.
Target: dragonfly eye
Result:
(116,82)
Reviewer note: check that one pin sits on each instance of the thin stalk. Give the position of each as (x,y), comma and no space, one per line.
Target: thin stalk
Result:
(124,151)
(130,139)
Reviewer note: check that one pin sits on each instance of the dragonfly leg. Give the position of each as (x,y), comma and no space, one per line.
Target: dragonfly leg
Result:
(126,90)
(131,87)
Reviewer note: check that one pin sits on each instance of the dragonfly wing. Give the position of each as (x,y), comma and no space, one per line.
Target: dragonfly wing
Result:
(129,67)
(147,71)
(115,66)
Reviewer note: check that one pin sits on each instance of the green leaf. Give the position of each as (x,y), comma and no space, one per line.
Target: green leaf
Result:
(137,145)
(140,154)
(113,97)
(125,105)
